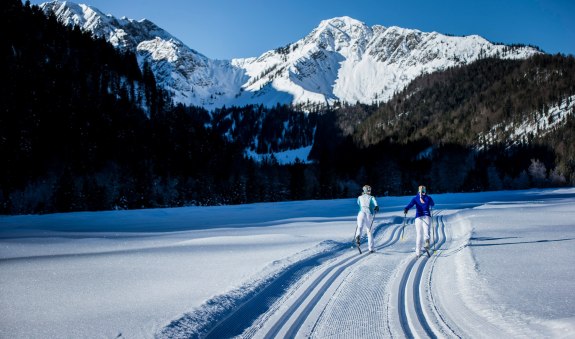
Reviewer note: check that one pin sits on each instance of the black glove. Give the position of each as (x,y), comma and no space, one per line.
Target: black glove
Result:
(405,211)
(376,208)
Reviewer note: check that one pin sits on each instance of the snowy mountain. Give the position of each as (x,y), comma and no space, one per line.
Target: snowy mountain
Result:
(345,60)
(342,60)
(191,77)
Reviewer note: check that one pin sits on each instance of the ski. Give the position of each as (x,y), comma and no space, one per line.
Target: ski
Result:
(426,247)
(357,244)
(402,227)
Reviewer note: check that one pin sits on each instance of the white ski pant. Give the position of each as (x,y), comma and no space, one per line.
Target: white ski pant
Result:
(363,223)
(421,232)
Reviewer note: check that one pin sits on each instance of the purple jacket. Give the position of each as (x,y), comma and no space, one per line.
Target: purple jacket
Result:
(421,209)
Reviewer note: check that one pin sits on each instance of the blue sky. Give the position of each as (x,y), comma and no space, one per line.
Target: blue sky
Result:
(226,29)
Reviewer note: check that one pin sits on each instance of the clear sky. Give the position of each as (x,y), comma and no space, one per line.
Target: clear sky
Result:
(226,29)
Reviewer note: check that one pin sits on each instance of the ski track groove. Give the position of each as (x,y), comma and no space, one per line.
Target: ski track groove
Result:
(285,316)
(293,330)
(428,325)
(295,327)
(418,301)
(352,312)
(242,317)
(402,304)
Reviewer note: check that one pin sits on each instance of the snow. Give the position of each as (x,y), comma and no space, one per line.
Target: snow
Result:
(284,157)
(160,49)
(502,267)
(538,123)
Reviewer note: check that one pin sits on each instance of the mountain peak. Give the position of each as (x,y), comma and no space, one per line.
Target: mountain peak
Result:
(341,22)
(71,13)
(342,28)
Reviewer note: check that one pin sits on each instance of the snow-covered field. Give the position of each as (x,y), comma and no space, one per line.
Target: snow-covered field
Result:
(503,266)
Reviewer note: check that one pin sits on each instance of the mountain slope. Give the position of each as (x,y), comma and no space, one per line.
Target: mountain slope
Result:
(345,60)
(342,60)
(488,102)
(191,77)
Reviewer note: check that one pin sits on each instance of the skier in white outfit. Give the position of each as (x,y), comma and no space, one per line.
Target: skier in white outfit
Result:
(367,208)
(422,203)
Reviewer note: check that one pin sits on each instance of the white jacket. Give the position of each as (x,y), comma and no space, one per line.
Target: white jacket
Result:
(366,203)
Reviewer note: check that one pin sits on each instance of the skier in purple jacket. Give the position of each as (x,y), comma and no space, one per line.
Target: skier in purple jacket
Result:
(422,203)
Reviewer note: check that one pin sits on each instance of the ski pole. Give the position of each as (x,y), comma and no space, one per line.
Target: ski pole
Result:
(432,228)
(402,227)
(353,240)
(372,220)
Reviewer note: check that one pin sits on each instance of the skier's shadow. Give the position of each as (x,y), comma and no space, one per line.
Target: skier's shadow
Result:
(490,238)
(515,243)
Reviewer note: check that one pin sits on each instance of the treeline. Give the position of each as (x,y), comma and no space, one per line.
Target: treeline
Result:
(84,127)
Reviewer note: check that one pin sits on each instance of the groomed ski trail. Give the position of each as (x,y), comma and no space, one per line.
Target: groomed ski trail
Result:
(343,294)
(393,296)
(354,295)
(417,316)
(300,318)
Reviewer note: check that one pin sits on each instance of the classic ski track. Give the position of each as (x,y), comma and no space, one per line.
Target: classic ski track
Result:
(318,293)
(417,320)
(268,304)
(237,319)
(289,325)
(298,311)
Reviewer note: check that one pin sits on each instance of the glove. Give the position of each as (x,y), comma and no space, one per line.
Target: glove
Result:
(405,211)
(376,208)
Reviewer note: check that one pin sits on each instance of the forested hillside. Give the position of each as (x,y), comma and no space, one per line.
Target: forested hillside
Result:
(460,108)
(456,105)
